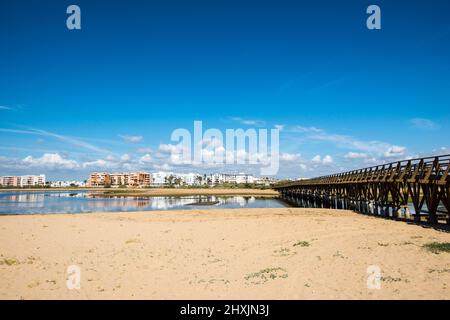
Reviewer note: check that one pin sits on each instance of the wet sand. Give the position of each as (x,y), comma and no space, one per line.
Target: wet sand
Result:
(288,253)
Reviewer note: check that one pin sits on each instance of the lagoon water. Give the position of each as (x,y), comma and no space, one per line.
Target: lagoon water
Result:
(44,202)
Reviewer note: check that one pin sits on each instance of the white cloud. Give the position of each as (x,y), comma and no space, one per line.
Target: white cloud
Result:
(327,159)
(168,148)
(95,163)
(164,167)
(316,159)
(248,122)
(424,124)
(5,108)
(145,150)
(66,139)
(50,160)
(279,127)
(301,129)
(147,158)
(356,155)
(289,156)
(346,142)
(373,161)
(395,151)
(211,143)
(132,139)
(125,157)
(102,164)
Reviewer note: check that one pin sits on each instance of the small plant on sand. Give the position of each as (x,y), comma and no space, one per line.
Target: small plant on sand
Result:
(283,252)
(267,274)
(31,260)
(338,254)
(132,241)
(302,244)
(439,271)
(383,244)
(9,262)
(391,279)
(34,284)
(437,247)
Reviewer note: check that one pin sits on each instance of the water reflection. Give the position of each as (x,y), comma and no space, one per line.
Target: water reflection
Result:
(88,201)
(360,206)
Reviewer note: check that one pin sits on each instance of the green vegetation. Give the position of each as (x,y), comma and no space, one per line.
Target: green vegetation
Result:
(34,284)
(242,185)
(116,191)
(267,274)
(9,262)
(338,254)
(391,279)
(283,252)
(174,183)
(203,203)
(439,271)
(47,186)
(302,244)
(437,247)
(132,241)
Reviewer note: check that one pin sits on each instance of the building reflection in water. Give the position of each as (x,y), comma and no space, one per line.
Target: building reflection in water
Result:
(24,200)
(88,201)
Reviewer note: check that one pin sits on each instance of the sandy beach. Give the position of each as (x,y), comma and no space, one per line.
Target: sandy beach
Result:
(289,253)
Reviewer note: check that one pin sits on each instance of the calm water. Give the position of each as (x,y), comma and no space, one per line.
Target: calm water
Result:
(88,201)
(298,202)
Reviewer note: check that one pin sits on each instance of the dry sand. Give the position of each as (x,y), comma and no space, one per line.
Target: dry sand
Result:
(290,253)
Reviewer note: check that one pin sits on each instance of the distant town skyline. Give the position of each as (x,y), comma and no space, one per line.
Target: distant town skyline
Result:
(107,97)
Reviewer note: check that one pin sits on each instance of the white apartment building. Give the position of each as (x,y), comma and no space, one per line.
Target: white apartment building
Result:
(189,179)
(159,178)
(67,184)
(22,181)
(238,178)
(26,181)
(217,178)
(192,179)
(265,181)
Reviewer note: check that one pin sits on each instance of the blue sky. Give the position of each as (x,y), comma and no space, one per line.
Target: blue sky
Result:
(108,96)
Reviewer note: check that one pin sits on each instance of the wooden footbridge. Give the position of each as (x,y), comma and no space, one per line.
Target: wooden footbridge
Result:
(416,189)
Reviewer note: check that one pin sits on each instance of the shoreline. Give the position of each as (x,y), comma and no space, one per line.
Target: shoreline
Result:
(285,253)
